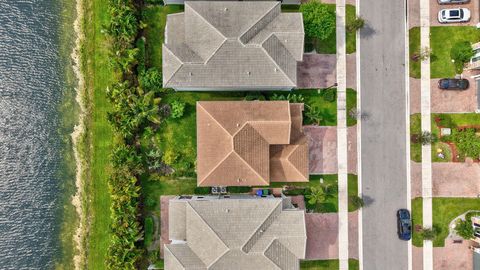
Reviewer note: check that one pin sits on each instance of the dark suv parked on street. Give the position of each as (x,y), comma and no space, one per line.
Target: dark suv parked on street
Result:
(404,224)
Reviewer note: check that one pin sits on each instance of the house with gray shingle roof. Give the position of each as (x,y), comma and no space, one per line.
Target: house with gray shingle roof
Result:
(228,45)
(236,233)
(284,2)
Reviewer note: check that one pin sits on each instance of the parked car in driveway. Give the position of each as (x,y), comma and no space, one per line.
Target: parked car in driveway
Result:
(404,224)
(453,84)
(454,15)
(450,2)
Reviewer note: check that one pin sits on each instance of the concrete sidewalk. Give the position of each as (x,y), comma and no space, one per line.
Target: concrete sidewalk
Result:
(426,126)
(343,254)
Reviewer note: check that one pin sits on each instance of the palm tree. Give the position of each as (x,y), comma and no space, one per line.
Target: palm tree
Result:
(321,194)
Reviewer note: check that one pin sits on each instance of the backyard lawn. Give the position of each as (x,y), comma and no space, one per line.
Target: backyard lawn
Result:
(156,17)
(327,265)
(444,211)
(442,38)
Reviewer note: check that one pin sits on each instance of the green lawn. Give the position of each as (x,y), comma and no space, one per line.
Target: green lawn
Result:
(98,75)
(417,221)
(329,46)
(442,38)
(444,211)
(414,48)
(149,231)
(156,17)
(331,205)
(415,128)
(455,119)
(327,265)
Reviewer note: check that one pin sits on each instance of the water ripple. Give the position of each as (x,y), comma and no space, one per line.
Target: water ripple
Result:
(30,91)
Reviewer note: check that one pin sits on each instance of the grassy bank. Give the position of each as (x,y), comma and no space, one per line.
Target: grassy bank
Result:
(98,76)
(68,114)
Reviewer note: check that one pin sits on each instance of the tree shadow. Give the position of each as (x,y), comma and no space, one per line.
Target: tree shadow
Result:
(367,200)
(367,31)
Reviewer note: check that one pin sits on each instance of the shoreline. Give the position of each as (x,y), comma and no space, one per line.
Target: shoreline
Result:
(77,135)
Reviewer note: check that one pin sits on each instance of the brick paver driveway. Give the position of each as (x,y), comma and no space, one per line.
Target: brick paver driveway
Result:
(449,179)
(322,142)
(444,101)
(435,8)
(317,71)
(322,235)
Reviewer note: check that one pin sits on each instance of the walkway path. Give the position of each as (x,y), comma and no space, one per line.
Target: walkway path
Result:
(426,126)
(342,137)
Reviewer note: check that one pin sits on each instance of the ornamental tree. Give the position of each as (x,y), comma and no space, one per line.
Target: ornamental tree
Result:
(318,19)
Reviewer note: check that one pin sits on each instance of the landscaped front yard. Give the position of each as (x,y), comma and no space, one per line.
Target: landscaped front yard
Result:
(442,39)
(444,211)
(329,46)
(330,204)
(465,138)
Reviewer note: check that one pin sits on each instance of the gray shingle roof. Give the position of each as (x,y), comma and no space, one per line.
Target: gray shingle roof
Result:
(237,234)
(221,44)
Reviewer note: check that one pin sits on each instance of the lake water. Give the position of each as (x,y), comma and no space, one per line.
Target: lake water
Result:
(36,177)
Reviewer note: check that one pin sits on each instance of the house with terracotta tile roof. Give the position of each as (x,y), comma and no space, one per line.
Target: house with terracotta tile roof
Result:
(242,232)
(250,143)
(230,45)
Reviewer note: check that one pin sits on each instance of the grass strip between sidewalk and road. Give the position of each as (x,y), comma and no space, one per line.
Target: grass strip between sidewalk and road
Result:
(327,265)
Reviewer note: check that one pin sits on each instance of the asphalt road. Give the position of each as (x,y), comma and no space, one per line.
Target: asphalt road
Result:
(383,132)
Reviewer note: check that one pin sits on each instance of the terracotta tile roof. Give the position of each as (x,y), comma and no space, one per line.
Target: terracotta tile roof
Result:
(250,143)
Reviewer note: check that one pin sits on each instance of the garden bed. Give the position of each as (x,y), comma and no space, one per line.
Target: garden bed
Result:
(463,142)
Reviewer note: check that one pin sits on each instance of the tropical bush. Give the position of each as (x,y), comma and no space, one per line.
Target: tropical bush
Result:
(356,201)
(461,52)
(464,229)
(429,233)
(354,25)
(177,108)
(330,95)
(151,79)
(318,19)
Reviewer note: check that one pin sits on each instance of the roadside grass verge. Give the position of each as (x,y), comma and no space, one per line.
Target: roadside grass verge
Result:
(414,48)
(415,128)
(98,76)
(444,211)
(442,39)
(327,265)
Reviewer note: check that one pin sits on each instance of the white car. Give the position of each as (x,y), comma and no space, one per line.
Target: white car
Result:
(451,2)
(454,15)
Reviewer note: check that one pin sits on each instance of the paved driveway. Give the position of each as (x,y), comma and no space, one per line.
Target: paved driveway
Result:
(322,142)
(319,71)
(316,71)
(449,179)
(435,8)
(444,101)
(322,235)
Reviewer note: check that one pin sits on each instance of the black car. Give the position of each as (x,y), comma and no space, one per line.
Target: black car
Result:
(404,224)
(453,84)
